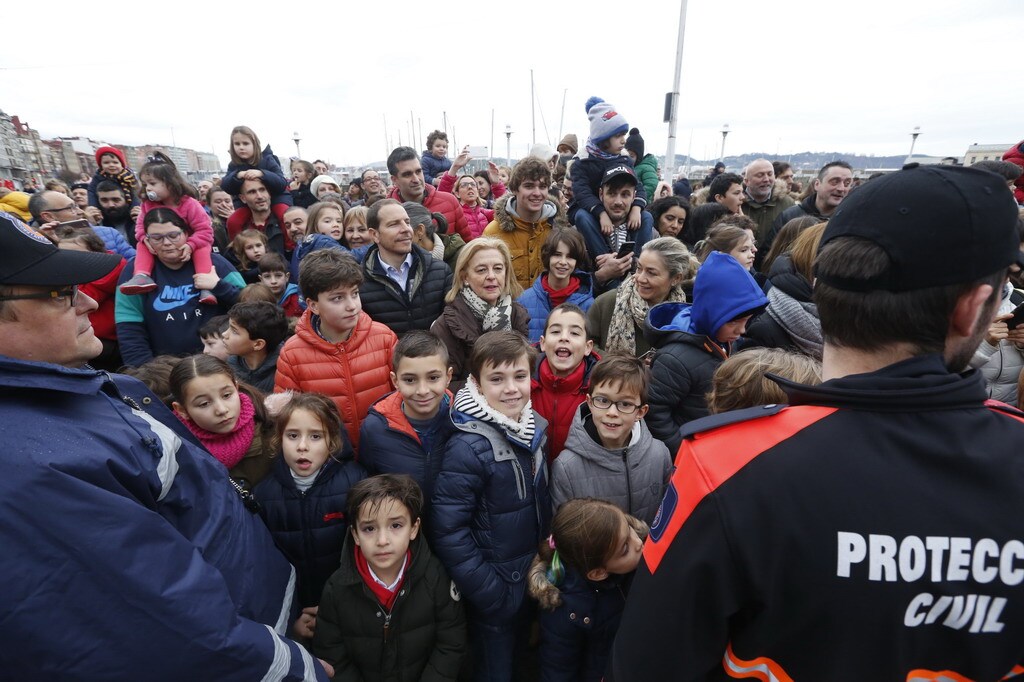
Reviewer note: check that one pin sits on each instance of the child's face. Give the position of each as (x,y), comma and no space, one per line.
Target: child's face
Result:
(300,175)
(110,164)
(421,383)
(561,264)
(237,339)
(732,331)
(243,146)
(506,388)
(275,280)
(156,190)
(338,310)
(214,345)
(628,551)
(614,426)
(357,234)
(329,223)
(255,250)
(565,342)
(439,149)
(745,251)
(503,174)
(616,144)
(383,534)
(304,443)
(211,403)
(295,223)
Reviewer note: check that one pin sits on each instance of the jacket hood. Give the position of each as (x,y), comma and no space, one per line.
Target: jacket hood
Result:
(289,289)
(721,292)
(584,445)
(784,276)
(507,217)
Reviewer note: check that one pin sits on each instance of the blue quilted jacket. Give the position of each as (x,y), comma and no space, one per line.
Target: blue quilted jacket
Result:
(538,303)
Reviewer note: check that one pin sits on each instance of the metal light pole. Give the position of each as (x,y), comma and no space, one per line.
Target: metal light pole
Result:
(913,141)
(725,133)
(296,140)
(508,145)
(672,99)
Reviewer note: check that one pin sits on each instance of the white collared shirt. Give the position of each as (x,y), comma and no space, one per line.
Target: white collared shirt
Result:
(398,579)
(401,275)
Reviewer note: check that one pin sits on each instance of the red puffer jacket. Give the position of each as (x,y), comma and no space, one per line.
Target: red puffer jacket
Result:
(353,373)
(102,291)
(444,203)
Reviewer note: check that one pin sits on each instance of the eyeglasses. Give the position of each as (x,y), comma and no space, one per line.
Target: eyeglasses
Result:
(58,295)
(602,403)
(169,236)
(70,207)
(371,178)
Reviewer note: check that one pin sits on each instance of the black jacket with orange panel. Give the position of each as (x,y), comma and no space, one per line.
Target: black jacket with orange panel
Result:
(873,530)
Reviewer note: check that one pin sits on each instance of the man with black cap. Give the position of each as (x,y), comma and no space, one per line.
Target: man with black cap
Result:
(127,554)
(872,530)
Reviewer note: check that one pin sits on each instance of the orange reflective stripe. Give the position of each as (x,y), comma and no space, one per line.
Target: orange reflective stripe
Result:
(762,668)
(1017,670)
(708,460)
(933,676)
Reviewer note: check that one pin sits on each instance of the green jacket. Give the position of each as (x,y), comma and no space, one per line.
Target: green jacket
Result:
(647,175)
(426,635)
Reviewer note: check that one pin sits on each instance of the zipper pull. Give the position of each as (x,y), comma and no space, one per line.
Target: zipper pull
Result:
(387,625)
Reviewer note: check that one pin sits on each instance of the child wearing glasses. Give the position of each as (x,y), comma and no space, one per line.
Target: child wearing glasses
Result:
(610,453)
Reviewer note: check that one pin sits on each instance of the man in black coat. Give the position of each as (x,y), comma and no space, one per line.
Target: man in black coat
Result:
(403,286)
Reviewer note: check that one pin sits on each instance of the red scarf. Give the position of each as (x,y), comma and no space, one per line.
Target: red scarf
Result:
(562,295)
(229,448)
(385,596)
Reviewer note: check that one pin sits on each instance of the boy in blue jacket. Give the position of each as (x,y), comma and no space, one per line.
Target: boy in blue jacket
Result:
(490,502)
(406,431)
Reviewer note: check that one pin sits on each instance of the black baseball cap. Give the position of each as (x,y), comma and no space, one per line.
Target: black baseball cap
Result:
(27,257)
(939,225)
(617,172)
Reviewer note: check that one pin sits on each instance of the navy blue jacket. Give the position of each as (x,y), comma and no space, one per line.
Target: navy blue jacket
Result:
(576,637)
(126,538)
(433,167)
(538,303)
(273,178)
(490,510)
(388,444)
(587,174)
(310,527)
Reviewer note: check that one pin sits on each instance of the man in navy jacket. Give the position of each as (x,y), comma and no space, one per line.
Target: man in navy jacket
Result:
(126,554)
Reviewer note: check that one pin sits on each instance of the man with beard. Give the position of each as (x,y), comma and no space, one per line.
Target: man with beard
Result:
(257,213)
(763,203)
(117,212)
(871,529)
(834,182)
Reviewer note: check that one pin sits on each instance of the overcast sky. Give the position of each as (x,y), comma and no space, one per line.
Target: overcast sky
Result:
(787,77)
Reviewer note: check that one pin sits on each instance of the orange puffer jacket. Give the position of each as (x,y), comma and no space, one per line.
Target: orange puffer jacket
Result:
(353,373)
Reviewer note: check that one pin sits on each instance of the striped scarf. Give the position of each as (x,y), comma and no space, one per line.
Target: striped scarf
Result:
(472,403)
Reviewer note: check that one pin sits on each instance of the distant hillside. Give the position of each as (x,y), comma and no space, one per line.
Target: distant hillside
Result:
(803,160)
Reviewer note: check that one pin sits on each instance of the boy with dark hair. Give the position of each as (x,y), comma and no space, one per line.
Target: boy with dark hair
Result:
(256,332)
(212,333)
(385,563)
(560,383)
(337,349)
(610,453)
(490,504)
(274,273)
(406,431)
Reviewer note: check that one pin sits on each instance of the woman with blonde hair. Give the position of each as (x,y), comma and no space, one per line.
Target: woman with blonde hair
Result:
(791,320)
(482,299)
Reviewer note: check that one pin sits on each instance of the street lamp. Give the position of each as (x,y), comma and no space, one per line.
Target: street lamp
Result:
(508,145)
(913,140)
(296,140)
(725,133)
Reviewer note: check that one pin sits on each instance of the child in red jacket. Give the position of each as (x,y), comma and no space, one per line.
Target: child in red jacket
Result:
(563,373)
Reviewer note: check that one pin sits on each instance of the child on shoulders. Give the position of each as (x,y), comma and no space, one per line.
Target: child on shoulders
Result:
(435,159)
(387,567)
(111,165)
(610,453)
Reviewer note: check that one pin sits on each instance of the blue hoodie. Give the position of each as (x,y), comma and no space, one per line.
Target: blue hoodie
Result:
(722,291)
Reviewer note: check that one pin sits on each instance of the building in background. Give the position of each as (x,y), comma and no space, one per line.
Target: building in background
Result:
(985,152)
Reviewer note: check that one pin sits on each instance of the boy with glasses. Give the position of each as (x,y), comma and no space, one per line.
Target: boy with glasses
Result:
(610,453)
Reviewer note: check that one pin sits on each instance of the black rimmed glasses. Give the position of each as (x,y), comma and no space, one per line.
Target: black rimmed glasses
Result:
(57,295)
(602,403)
(169,236)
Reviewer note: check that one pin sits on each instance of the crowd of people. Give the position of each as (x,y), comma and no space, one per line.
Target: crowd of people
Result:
(560,420)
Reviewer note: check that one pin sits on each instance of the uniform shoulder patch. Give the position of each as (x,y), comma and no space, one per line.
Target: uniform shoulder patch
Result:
(715,421)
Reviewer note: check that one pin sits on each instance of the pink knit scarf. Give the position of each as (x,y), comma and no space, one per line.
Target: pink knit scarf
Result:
(229,448)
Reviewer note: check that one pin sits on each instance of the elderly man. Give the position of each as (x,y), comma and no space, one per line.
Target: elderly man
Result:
(870,529)
(763,203)
(126,553)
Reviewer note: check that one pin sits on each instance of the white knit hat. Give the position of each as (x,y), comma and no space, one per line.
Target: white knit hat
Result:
(605,122)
